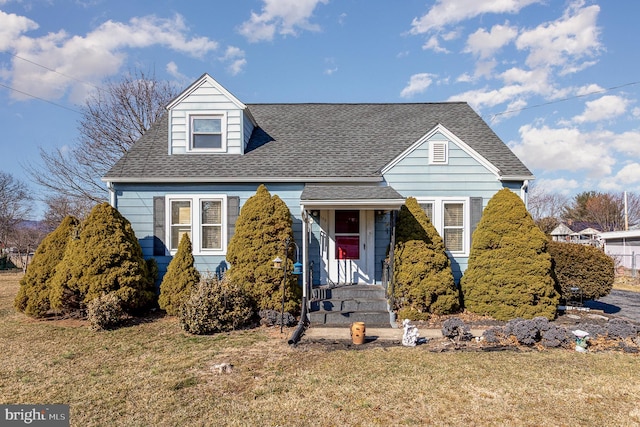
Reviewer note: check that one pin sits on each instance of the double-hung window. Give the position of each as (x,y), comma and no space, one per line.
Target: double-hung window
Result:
(207,132)
(451,219)
(453,226)
(201,217)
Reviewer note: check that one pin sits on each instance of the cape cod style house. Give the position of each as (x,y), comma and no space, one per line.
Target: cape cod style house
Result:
(344,170)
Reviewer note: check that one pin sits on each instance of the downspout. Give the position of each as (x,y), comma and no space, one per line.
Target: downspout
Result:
(302,324)
(112,194)
(524,193)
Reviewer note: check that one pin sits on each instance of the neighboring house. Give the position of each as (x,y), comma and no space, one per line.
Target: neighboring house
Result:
(585,233)
(623,247)
(344,170)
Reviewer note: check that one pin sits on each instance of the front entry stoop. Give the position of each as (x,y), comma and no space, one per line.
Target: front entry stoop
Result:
(344,304)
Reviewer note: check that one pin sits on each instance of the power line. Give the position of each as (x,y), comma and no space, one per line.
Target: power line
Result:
(54,71)
(516,110)
(41,99)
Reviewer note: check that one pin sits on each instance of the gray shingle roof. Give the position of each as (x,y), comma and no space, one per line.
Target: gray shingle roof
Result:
(316,141)
(349,192)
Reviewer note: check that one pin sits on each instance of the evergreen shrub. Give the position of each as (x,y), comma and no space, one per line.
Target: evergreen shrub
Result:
(509,272)
(105,312)
(105,257)
(33,295)
(180,278)
(584,267)
(261,229)
(423,280)
(215,306)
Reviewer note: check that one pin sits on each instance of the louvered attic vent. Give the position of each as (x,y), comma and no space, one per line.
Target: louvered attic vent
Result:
(438,153)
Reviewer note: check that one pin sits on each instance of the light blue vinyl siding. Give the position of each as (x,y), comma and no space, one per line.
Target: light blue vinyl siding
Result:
(383,237)
(463,176)
(207,99)
(135,202)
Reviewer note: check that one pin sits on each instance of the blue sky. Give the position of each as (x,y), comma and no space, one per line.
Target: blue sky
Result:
(557,80)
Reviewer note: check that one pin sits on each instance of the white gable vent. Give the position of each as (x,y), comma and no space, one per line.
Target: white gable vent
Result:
(438,152)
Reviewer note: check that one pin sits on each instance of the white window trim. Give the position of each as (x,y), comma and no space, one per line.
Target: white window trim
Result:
(438,219)
(223,127)
(432,149)
(196,226)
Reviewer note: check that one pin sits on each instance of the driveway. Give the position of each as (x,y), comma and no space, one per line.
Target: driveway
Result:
(622,304)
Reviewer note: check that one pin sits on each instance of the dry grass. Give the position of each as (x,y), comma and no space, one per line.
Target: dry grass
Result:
(627,283)
(154,374)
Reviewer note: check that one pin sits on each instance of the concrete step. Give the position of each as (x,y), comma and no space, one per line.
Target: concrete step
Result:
(379,319)
(344,304)
(350,305)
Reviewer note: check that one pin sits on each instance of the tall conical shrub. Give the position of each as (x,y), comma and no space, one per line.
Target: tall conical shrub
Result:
(33,295)
(180,279)
(423,280)
(509,272)
(261,229)
(105,257)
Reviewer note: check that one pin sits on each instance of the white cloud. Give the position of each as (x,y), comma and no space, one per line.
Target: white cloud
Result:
(446,12)
(464,78)
(236,58)
(627,178)
(627,143)
(484,44)
(589,89)
(172,69)
(604,108)
(434,44)
(418,83)
(563,43)
(558,185)
(284,17)
(479,98)
(11,27)
(566,149)
(91,58)
(513,109)
(555,48)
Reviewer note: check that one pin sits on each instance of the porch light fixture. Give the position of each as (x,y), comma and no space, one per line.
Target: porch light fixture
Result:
(277,263)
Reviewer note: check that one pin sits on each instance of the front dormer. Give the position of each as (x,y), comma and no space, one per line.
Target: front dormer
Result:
(208,119)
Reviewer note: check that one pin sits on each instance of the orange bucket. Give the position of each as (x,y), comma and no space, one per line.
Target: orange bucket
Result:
(357,332)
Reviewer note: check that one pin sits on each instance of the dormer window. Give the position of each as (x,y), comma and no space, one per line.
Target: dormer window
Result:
(207,133)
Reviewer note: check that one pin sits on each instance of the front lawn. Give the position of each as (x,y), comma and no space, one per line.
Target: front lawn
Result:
(154,374)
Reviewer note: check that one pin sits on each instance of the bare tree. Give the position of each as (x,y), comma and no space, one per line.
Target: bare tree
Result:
(25,239)
(15,205)
(112,120)
(545,204)
(61,206)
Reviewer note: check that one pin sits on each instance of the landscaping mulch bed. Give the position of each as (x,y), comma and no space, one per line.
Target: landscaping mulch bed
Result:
(569,320)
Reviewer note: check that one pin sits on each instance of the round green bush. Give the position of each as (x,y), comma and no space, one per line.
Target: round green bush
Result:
(583,267)
(105,257)
(215,306)
(180,278)
(33,295)
(509,271)
(261,230)
(423,280)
